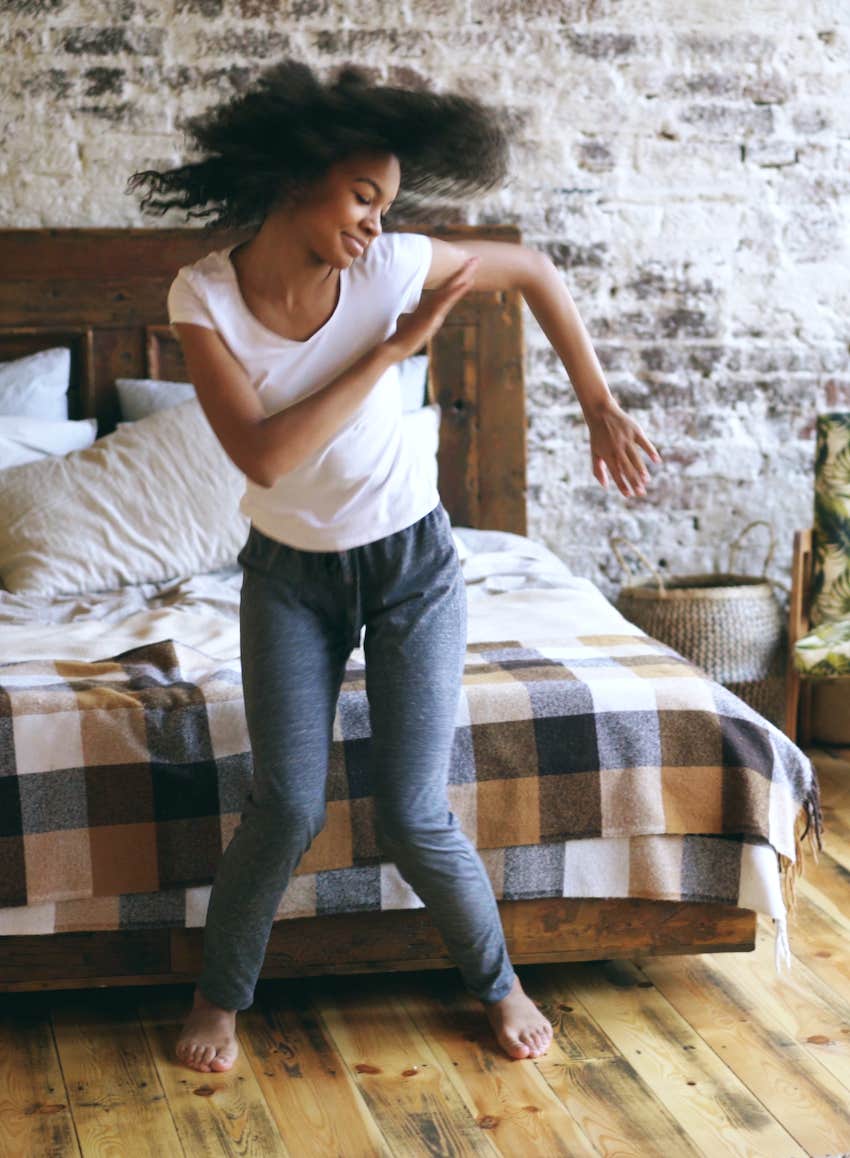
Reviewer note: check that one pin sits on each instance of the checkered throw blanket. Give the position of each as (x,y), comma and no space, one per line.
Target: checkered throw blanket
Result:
(126,777)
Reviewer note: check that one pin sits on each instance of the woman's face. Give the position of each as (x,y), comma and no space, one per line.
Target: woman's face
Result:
(346,206)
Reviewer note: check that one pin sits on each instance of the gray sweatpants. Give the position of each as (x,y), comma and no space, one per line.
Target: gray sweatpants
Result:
(301,614)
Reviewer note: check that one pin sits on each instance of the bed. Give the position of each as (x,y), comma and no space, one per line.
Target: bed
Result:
(624,803)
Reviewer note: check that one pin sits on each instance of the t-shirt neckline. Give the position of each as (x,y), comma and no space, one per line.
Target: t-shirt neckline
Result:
(255,321)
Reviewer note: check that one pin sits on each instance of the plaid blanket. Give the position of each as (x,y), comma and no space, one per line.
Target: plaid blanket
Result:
(124,779)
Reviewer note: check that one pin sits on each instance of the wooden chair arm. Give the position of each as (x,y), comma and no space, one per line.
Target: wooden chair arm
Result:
(798,698)
(799,607)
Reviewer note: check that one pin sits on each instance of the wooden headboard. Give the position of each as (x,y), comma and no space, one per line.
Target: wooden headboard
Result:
(102,293)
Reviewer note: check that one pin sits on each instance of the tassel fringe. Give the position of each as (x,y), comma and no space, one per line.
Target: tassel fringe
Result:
(782,952)
(810,813)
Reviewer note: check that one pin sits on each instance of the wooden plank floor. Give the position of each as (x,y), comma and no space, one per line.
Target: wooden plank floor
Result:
(701,1055)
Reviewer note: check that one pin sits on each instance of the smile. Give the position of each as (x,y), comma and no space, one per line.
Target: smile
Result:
(354,244)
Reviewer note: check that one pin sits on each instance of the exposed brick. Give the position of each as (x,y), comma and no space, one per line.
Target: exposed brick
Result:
(724,84)
(730,118)
(527,11)
(357,40)
(686,324)
(602,45)
(31,7)
(107,41)
(404,77)
(689,180)
(246,42)
(567,256)
(236,77)
(764,90)
(54,82)
(116,114)
(595,156)
(206,8)
(104,80)
(279,10)
(745,46)
(17,41)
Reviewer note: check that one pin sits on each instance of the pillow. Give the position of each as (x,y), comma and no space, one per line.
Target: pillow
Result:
(25,439)
(139,397)
(37,385)
(413,375)
(422,429)
(154,500)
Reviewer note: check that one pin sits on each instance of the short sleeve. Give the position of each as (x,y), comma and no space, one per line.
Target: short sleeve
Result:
(411,262)
(185,303)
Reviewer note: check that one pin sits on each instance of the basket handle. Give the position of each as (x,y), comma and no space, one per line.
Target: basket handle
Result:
(778,583)
(736,542)
(619,539)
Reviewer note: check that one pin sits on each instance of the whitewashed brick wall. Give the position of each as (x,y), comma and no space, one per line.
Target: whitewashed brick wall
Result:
(686,164)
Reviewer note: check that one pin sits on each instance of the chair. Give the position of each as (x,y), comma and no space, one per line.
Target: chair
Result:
(818,677)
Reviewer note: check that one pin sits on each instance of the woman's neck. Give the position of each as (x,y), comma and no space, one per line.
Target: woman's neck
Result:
(279,266)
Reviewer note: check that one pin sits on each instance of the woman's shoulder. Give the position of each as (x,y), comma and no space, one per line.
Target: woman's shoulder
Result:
(397,251)
(211,267)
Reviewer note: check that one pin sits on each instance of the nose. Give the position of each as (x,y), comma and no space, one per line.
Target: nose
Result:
(372,222)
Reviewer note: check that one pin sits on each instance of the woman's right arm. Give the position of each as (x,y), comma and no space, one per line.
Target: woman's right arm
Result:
(264,447)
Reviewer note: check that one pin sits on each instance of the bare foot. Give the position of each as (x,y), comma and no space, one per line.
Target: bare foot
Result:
(519,1026)
(208,1041)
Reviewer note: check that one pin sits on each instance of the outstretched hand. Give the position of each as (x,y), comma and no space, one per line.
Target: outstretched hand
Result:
(616,441)
(413,330)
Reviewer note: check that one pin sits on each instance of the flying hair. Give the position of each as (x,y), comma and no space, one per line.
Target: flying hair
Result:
(267,145)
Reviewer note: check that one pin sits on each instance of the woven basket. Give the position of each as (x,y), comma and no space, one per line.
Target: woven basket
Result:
(730,625)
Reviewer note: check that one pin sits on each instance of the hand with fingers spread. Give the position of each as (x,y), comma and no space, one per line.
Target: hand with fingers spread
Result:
(616,441)
(413,330)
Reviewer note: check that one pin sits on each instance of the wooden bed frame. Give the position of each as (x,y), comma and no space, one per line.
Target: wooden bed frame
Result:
(102,293)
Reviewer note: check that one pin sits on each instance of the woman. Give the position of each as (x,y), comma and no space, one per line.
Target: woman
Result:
(291,340)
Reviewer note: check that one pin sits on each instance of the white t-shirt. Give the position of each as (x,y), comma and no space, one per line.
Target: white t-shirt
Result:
(369,480)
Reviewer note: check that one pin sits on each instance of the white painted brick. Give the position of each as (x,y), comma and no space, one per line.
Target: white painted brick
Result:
(687,165)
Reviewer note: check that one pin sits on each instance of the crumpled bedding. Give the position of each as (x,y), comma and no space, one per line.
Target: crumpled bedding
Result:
(526,613)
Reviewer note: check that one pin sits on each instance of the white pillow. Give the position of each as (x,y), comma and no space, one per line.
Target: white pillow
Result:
(413,375)
(421,428)
(154,500)
(37,385)
(139,397)
(25,439)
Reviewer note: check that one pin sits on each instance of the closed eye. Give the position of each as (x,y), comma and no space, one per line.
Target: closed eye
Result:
(366,201)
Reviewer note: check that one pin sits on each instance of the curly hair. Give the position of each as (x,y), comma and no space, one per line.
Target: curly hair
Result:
(266,146)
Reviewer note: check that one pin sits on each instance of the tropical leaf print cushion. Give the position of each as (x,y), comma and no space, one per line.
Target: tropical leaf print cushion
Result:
(830,599)
(825,651)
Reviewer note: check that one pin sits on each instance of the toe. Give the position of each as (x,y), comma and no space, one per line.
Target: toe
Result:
(517,1048)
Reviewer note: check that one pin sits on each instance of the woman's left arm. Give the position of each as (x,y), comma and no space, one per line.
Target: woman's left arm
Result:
(615,439)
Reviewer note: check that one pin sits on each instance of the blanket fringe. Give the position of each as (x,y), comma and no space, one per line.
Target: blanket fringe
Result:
(810,813)
(782,950)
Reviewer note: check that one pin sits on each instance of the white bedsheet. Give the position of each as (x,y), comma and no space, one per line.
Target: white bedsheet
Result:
(516,589)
